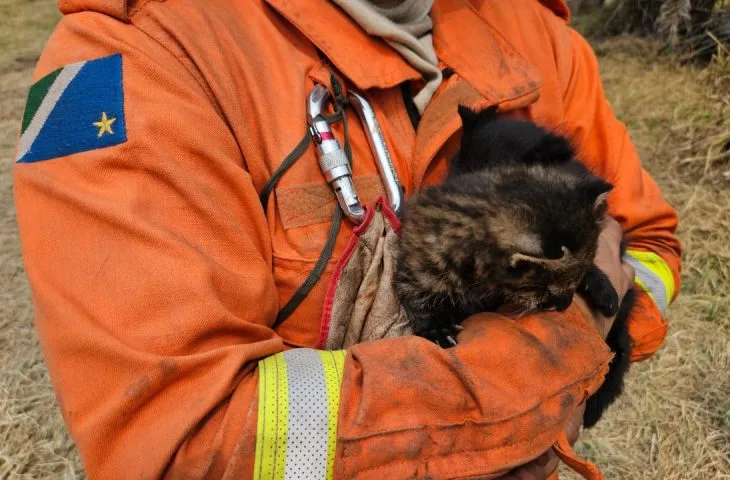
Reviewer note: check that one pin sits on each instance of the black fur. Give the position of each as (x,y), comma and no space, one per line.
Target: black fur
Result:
(451,263)
(618,340)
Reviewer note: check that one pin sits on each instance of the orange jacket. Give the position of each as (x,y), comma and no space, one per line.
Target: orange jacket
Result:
(156,274)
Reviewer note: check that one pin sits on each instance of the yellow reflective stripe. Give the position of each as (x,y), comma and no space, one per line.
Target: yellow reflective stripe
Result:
(659,267)
(653,275)
(299,399)
(273,413)
(333,363)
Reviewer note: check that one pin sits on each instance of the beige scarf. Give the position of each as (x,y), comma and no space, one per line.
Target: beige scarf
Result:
(406,26)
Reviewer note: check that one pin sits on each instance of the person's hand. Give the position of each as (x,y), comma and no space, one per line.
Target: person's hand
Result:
(621,276)
(608,260)
(544,465)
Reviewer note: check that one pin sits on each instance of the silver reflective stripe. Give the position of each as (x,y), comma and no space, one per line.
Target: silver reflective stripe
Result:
(307,432)
(299,399)
(651,282)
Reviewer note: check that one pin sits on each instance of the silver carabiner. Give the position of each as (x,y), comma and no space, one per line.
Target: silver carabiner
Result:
(380,151)
(332,159)
(334,163)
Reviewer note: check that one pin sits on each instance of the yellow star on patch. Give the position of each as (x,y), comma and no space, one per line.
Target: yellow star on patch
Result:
(104,125)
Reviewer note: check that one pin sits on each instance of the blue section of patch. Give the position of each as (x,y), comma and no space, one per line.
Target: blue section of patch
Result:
(96,90)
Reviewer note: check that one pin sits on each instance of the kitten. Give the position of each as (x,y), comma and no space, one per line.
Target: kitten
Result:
(516,224)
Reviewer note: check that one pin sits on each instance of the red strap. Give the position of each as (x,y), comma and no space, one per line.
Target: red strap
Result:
(586,469)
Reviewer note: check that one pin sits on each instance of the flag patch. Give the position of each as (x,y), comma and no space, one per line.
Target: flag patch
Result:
(73,109)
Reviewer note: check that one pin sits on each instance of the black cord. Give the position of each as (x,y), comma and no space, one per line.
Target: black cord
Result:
(316,272)
(413,114)
(285,165)
(340,104)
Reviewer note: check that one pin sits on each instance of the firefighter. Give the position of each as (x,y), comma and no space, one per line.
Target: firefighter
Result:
(157,271)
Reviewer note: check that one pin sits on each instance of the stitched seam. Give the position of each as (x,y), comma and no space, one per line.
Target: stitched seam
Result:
(476,423)
(140,5)
(306,264)
(510,51)
(474,469)
(142,13)
(372,78)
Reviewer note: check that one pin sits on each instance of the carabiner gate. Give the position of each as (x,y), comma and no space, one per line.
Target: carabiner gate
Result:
(334,163)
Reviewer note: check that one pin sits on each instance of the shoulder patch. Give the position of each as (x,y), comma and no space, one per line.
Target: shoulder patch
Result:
(74,109)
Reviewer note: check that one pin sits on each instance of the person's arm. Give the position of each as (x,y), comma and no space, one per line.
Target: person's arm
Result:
(636,201)
(150,265)
(621,275)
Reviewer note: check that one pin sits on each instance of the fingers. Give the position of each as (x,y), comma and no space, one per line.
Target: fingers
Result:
(575,422)
(629,274)
(539,469)
(608,257)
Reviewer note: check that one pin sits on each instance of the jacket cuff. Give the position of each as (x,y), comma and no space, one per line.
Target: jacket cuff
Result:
(653,276)
(647,327)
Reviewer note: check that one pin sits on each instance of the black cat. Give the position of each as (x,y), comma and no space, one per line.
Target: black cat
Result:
(515,223)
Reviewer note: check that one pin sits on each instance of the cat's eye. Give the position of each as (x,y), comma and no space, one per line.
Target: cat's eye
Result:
(519,268)
(556,252)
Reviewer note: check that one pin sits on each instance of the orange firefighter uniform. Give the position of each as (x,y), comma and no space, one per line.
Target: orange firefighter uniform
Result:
(156,274)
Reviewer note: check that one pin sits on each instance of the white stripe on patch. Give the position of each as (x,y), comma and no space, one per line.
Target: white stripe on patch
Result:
(59,86)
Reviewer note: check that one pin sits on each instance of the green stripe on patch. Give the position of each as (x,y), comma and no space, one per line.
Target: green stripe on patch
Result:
(36,95)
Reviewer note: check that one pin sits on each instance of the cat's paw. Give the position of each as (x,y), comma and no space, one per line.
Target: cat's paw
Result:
(444,337)
(597,290)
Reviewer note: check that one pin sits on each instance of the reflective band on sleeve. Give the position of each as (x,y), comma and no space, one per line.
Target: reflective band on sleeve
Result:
(653,276)
(273,422)
(299,397)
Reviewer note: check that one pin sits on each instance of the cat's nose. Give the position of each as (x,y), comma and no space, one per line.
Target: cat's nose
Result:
(562,302)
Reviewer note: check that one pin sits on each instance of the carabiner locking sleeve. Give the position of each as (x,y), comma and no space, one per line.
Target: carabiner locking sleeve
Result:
(332,159)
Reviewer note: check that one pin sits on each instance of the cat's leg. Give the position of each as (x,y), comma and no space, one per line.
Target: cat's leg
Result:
(436,325)
(431,319)
(620,343)
(598,291)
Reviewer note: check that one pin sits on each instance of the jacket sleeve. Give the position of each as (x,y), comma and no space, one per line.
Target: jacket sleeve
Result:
(636,201)
(150,266)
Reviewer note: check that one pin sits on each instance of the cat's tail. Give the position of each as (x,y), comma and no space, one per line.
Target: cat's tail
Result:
(620,342)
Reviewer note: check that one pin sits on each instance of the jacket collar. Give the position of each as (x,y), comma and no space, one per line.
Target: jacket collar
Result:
(489,69)
(477,51)
(464,40)
(367,62)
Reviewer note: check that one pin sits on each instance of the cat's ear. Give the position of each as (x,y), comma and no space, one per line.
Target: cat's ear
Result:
(469,118)
(598,191)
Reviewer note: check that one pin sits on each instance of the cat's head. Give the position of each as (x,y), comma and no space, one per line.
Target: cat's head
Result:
(549,209)
(546,232)
(489,141)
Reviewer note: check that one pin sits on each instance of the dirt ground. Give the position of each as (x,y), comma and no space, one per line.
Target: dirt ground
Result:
(674,420)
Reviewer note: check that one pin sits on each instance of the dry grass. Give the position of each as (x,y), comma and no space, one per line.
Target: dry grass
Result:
(674,420)
(33,441)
